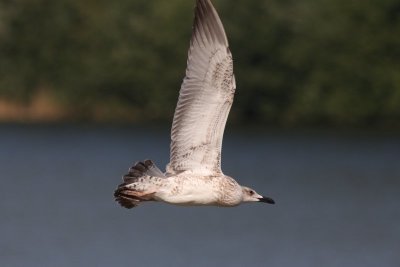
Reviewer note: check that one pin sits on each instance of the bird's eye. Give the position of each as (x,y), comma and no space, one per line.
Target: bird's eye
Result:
(251,192)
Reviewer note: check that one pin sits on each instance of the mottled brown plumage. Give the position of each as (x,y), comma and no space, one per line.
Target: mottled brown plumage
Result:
(194,175)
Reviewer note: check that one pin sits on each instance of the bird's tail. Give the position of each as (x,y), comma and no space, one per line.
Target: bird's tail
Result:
(139,185)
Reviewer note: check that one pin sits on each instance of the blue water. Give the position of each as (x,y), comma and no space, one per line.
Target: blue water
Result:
(338,201)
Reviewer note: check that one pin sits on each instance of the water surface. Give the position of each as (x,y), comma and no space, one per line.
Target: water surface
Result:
(338,201)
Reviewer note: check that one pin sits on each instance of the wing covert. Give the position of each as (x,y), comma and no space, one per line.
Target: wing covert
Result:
(205,97)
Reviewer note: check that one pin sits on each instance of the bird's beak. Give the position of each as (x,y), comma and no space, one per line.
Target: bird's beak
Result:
(266,200)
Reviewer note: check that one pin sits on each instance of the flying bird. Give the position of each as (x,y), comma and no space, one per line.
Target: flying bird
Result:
(193,175)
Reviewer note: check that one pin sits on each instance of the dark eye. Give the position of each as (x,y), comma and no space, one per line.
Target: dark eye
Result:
(251,192)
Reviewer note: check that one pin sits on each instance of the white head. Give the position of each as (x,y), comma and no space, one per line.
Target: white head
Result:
(249,195)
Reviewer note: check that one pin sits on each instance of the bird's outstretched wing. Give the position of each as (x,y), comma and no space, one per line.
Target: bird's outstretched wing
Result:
(205,97)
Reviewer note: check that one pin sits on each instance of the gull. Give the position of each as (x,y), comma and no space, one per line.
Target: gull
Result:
(193,175)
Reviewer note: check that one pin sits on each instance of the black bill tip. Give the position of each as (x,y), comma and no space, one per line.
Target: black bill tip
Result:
(267,200)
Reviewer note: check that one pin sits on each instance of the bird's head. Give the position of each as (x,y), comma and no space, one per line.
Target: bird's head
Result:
(250,195)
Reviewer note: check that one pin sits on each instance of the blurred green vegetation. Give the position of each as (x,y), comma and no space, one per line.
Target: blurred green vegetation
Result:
(297,63)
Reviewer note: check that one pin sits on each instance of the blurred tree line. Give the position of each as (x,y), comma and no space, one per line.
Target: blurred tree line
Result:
(326,62)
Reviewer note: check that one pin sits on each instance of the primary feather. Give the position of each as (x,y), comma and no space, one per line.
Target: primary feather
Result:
(205,97)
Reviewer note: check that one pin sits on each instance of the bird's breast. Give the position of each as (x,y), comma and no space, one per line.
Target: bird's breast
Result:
(200,190)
